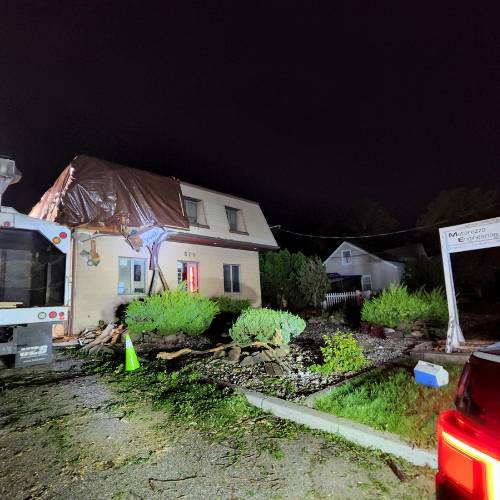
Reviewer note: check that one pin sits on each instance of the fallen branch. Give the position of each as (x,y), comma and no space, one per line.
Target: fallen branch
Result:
(397,470)
(167,356)
(172,355)
(103,337)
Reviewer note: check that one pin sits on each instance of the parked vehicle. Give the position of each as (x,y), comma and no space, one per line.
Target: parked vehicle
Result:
(34,281)
(469,437)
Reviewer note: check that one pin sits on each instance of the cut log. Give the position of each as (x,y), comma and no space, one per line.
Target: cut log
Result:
(105,335)
(117,334)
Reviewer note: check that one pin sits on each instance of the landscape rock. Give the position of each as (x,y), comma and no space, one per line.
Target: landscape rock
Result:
(273,369)
(255,359)
(423,346)
(417,333)
(234,354)
(219,354)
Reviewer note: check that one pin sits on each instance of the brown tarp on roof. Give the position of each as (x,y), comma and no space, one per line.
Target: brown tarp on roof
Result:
(97,193)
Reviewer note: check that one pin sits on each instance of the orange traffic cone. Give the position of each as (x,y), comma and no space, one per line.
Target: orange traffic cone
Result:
(131,361)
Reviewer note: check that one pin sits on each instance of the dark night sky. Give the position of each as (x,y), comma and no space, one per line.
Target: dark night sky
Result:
(302,106)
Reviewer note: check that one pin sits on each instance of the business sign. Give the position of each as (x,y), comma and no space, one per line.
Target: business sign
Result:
(475,236)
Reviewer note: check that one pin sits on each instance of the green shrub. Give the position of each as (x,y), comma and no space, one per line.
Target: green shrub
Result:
(170,312)
(266,325)
(231,306)
(341,354)
(396,306)
(438,305)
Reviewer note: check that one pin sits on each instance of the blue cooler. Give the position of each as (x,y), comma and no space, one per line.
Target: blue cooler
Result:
(430,374)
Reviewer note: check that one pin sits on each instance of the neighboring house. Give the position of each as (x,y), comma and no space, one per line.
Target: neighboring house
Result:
(211,240)
(352,268)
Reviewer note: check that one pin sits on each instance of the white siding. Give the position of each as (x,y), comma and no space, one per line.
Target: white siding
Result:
(382,272)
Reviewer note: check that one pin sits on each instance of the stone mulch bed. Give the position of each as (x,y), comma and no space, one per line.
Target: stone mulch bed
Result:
(297,382)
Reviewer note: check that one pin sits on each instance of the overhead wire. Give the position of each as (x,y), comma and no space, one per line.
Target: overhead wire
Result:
(389,233)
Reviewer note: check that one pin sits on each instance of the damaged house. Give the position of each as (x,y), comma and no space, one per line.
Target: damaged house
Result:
(135,232)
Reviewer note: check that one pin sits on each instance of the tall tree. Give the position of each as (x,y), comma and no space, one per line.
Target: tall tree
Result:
(313,281)
(460,205)
(456,206)
(279,273)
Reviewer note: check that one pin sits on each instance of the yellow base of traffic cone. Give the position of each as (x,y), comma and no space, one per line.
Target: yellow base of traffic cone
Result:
(131,361)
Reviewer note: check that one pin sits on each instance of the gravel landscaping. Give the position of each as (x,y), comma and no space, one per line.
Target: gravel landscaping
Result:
(297,382)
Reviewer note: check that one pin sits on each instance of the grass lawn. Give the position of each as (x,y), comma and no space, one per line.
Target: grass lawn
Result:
(391,400)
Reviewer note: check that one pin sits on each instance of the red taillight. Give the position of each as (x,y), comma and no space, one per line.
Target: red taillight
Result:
(52,314)
(61,315)
(63,235)
(465,459)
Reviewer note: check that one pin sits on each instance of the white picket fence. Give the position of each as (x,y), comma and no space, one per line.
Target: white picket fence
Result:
(333,299)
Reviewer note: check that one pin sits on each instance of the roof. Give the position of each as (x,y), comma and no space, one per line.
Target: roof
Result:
(183,183)
(362,251)
(97,193)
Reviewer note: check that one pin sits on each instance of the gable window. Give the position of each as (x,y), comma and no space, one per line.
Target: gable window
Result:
(231,278)
(232,218)
(188,272)
(235,220)
(131,276)
(195,212)
(191,210)
(346,257)
(366,282)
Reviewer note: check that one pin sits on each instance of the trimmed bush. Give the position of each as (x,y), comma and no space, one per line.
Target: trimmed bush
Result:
(266,325)
(396,306)
(341,354)
(170,312)
(231,306)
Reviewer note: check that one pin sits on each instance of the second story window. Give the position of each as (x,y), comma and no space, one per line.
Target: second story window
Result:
(191,210)
(195,212)
(235,220)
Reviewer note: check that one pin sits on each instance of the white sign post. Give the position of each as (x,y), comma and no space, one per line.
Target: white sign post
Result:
(462,238)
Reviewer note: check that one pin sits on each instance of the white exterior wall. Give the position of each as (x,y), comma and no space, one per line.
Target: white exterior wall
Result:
(95,288)
(382,272)
(214,207)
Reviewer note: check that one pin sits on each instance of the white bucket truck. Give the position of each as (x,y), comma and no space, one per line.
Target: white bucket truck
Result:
(34,281)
